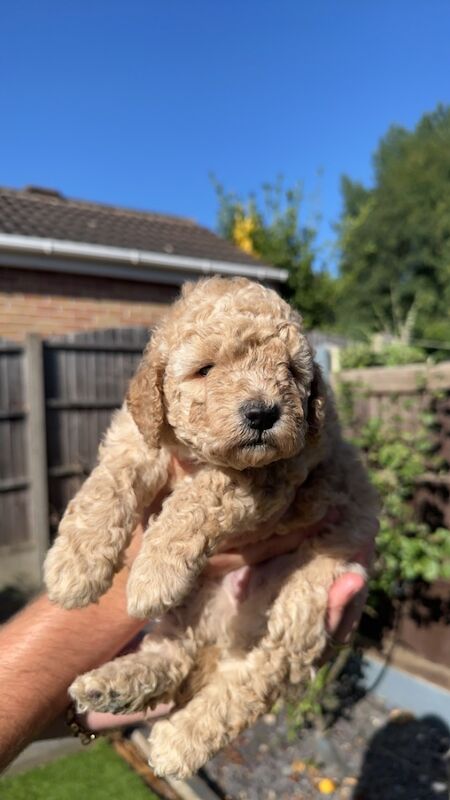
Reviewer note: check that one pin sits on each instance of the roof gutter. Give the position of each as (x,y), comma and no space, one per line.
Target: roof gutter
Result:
(32,252)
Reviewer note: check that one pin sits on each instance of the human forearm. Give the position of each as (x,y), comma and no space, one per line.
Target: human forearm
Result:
(43,649)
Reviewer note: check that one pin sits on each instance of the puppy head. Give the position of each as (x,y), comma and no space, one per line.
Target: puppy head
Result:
(230,375)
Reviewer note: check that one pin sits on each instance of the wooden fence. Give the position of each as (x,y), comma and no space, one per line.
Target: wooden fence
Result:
(56,399)
(401,395)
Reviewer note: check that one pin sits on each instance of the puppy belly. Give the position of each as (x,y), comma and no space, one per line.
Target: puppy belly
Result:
(232,612)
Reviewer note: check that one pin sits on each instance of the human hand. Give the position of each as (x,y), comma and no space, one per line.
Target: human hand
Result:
(348,593)
(347,597)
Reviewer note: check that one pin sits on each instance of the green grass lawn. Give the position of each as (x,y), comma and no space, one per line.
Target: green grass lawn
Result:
(97,773)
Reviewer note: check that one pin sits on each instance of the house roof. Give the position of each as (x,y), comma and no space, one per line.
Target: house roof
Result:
(46,214)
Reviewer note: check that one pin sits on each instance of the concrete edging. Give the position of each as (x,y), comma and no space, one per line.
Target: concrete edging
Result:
(401,689)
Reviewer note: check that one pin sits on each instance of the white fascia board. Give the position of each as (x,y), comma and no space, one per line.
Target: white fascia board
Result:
(59,255)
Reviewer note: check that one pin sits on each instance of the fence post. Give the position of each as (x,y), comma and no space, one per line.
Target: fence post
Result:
(37,448)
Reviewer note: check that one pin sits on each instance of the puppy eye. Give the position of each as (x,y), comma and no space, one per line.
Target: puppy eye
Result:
(204,370)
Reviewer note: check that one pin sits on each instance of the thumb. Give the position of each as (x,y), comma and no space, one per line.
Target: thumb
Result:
(345,603)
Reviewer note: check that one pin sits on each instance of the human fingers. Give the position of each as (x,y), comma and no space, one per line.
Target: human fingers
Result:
(348,595)
(345,604)
(98,721)
(255,553)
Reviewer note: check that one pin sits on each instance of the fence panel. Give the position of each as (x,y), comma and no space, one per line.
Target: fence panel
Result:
(399,395)
(46,451)
(86,376)
(14,511)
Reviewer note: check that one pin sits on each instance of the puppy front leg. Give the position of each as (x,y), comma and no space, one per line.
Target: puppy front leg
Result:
(193,521)
(99,521)
(237,693)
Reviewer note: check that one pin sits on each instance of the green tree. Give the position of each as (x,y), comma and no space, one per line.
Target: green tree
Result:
(268,226)
(395,237)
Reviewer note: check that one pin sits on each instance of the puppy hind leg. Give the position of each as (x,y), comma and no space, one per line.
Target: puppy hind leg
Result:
(138,680)
(238,692)
(241,689)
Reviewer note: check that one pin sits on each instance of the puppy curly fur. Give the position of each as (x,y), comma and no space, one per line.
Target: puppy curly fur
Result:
(224,344)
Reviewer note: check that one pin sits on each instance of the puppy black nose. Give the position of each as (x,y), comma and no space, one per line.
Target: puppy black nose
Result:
(260,416)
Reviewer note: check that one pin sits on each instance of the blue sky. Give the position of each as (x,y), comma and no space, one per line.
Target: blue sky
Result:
(136,102)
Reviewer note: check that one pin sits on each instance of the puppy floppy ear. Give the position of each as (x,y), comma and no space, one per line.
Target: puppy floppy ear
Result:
(145,395)
(316,403)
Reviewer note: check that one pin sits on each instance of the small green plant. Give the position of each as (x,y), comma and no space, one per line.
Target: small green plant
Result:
(407,549)
(318,699)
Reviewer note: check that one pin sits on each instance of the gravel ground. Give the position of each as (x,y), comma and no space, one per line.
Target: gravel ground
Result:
(368,754)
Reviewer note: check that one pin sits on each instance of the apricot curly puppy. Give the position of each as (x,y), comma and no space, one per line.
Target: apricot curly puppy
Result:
(227,382)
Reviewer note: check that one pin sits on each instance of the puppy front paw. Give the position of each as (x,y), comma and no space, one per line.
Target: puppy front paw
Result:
(155,587)
(72,579)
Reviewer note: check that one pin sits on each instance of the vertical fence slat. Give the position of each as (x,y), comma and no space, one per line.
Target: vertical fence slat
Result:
(37,448)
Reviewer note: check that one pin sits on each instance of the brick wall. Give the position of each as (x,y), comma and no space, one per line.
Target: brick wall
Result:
(52,303)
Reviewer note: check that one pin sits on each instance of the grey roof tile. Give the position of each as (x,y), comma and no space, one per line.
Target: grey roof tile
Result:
(47,214)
